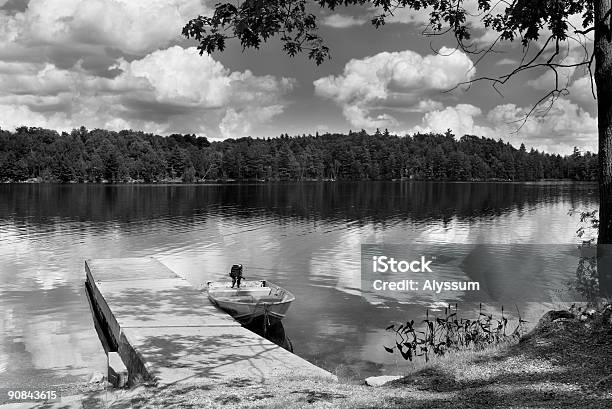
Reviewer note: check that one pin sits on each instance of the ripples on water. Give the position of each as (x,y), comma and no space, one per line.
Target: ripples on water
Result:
(303,236)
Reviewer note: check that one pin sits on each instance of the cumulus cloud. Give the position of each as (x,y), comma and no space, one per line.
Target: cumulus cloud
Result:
(241,122)
(13,5)
(559,129)
(404,79)
(19,115)
(131,26)
(171,90)
(92,32)
(428,105)
(460,119)
(556,130)
(98,63)
(482,35)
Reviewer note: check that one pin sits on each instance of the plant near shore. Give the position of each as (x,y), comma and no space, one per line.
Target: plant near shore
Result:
(588,225)
(449,333)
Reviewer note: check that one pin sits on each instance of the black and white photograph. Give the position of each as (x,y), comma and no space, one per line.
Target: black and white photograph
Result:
(236,204)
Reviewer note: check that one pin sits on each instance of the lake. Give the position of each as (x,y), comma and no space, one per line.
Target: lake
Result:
(304,236)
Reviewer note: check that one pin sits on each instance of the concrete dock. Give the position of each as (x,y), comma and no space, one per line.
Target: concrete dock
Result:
(166,331)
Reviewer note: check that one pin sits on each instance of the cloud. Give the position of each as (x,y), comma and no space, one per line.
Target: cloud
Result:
(579,89)
(177,76)
(171,90)
(33,79)
(582,90)
(342,21)
(559,129)
(460,119)
(507,61)
(241,123)
(406,16)
(427,105)
(130,26)
(9,27)
(404,79)
(576,43)
(421,19)
(97,63)
(483,36)
(13,5)
(548,80)
(14,116)
(94,32)
(400,16)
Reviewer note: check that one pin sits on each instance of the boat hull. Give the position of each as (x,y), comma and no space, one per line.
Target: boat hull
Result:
(255,300)
(247,313)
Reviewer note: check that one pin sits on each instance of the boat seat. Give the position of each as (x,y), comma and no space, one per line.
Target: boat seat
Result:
(237,292)
(244,298)
(270,299)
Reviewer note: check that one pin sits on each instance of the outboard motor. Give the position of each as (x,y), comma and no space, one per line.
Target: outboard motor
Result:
(236,274)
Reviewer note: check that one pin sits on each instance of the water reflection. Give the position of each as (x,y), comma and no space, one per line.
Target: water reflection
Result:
(306,237)
(362,203)
(593,277)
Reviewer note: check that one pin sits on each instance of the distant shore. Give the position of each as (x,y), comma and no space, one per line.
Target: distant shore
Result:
(262,181)
(97,155)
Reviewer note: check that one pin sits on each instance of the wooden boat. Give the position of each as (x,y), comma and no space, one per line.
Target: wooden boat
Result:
(254,299)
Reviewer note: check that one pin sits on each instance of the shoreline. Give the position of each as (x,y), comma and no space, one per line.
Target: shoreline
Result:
(565,361)
(263,182)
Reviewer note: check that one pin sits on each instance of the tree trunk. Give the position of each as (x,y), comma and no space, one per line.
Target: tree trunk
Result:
(603,80)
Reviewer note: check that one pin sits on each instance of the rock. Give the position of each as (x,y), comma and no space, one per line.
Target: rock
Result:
(546,320)
(551,316)
(381,380)
(96,377)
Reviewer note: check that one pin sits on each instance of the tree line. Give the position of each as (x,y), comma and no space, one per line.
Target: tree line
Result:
(133,156)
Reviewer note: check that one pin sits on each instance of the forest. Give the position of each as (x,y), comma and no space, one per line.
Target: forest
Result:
(43,155)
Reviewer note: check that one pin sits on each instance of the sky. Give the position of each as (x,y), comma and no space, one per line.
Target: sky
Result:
(123,64)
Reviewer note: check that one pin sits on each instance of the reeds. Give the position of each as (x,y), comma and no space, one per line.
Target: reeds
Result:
(440,335)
